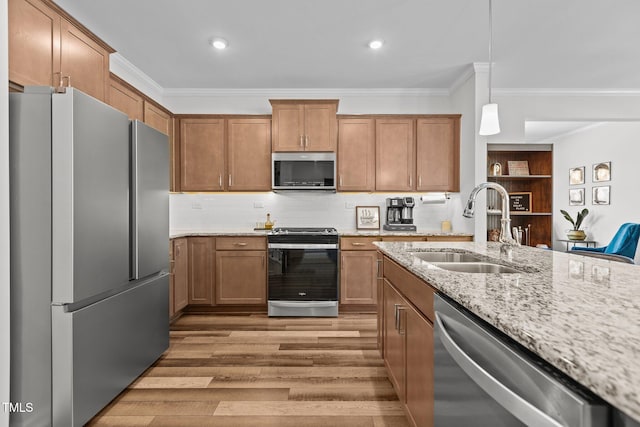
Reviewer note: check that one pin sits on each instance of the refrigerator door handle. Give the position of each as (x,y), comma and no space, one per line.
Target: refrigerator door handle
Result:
(512,402)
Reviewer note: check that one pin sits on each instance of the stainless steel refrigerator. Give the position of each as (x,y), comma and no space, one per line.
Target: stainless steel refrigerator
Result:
(89,254)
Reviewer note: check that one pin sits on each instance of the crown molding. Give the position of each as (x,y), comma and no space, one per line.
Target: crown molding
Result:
(564,92)
(128,72)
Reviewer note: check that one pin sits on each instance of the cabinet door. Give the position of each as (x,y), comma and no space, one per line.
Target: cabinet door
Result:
(358,275)
(288,127)
(356,155)
(34,43)
(201,270)
(180,274)
(249,154)
(395,155)
(124,99)
(437,155)
(419,368)
(394,343)
(157,118)
(202,154)
(320,127)
(84,61)
(241,277)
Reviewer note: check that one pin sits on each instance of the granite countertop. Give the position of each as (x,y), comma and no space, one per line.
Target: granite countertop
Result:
(347,233)
(580,314)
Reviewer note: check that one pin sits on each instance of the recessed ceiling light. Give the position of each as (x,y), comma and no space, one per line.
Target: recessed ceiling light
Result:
(375,44)
(219,43)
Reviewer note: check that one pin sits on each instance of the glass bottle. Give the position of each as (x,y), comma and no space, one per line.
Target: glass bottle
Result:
(269,224)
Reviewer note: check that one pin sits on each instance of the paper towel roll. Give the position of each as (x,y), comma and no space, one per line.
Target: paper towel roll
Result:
(433,198)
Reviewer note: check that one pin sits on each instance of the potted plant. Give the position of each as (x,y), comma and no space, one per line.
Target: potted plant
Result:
(576,233)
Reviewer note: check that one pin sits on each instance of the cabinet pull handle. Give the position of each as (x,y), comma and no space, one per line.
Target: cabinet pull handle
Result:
(301,141)
(397,318)
(378,265)
(357,244)
(263,261)
(340,180)
(229,180)
(220,181)
(401,330)
(420,181)
(306,141)
(241,244)
(410,181)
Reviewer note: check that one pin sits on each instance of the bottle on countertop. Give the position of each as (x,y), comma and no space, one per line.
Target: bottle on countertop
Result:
(268,224)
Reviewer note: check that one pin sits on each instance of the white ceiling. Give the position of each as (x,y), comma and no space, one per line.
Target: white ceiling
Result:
(568,44)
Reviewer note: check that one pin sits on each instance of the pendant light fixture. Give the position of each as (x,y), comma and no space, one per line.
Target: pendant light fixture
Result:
(489,123)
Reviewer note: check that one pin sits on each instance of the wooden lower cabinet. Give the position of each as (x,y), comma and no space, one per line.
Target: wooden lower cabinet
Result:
(201,270)
(241,277)
(358,277)
(408,355)
(180,276)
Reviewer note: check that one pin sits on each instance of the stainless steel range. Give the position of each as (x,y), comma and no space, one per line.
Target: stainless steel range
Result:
(303,272)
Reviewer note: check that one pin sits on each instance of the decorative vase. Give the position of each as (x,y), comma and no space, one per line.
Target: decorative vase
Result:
(576,235)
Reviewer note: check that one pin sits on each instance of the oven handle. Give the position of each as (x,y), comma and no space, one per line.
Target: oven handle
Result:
(511,401)
(303,246)
(303,304)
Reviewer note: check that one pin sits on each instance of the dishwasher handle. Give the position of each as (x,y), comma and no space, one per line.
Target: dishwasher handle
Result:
(512,402)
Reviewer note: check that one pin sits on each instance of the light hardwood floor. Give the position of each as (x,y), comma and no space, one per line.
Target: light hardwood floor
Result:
(252,371)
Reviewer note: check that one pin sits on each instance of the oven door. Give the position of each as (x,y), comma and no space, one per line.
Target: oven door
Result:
(303,272)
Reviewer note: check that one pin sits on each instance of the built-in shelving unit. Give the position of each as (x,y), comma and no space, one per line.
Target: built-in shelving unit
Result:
(539,183)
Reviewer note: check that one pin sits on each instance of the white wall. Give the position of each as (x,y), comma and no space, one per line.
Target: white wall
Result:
(617,142)
(4,216)
(352,101)
(238,211)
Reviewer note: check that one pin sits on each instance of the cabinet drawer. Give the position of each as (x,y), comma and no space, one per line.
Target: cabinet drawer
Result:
(418,292)
(241,243)
(404,239)
(358,243)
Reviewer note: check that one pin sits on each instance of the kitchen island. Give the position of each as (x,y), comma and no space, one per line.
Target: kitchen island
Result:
(580,314)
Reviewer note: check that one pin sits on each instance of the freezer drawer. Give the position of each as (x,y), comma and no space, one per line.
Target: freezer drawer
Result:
(99,350)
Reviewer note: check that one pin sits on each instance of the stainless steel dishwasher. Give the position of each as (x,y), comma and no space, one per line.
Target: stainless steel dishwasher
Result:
(483,378)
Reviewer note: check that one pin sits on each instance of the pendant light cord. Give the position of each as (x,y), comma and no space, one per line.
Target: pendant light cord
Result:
(490,47)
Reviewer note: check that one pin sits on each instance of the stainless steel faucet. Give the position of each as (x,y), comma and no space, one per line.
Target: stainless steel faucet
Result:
(505,221)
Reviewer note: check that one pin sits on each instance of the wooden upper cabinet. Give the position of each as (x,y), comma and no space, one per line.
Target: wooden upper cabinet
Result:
(249,154)
(84,62)
(304,125)
(202,154)
(356,154)
(34,43)
(157,118)
(45,47)
(122,98)
(395,155)
(438,154)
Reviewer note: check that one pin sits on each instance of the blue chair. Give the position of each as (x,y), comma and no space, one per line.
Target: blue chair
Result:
(621,248)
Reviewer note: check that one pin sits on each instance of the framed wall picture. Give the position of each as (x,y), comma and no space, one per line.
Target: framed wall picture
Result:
(576,176)
(576,196)
(367,217)
(601,195)
(601,172)
(520,202)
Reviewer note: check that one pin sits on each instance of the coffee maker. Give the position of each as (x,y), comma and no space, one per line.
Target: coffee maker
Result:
(400,214)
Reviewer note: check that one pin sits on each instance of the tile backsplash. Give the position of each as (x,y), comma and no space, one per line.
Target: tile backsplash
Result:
(238,211)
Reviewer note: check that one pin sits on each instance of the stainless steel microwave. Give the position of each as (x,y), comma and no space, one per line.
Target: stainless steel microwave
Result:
(303,171)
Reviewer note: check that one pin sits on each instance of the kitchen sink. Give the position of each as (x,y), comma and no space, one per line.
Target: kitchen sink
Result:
(475,267)
(445,257)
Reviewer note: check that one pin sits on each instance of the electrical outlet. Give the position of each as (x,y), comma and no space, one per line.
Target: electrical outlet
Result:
(349,205)
(258,205)
(196,205)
